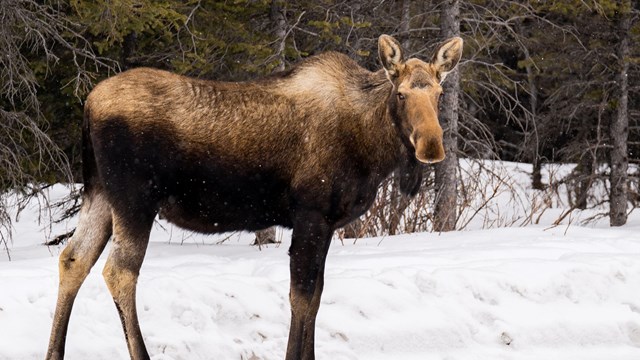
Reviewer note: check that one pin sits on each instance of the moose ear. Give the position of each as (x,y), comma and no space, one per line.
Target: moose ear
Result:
(391,55)
(447,57)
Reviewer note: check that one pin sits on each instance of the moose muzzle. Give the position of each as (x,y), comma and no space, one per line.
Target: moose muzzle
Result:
(429,147)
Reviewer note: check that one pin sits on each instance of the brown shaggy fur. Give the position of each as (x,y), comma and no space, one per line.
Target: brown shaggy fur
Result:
(305,149)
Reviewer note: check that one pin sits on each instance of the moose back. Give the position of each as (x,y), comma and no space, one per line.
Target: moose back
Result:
(305,149)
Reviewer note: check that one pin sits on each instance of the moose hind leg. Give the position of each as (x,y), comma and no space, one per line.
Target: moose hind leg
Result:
(76,260)
(131,237)
(310,244)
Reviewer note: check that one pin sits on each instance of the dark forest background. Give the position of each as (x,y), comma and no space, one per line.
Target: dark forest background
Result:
(540,81)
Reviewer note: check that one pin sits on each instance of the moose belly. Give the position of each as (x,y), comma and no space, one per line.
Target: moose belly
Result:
(238,205)
(198,186)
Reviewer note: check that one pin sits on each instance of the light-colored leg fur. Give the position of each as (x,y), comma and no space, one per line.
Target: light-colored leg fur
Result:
(76,260)
(121,275)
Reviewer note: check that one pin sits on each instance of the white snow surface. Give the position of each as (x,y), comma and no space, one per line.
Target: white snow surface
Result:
(535,292)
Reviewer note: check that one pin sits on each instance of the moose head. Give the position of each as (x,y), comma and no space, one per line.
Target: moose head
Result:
(416,93)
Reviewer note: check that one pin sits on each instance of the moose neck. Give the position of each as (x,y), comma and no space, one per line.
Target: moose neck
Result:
(354,102)
(374,92)
(386,137)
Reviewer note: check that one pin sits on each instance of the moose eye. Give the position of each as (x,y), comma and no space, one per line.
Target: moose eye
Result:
(401,96)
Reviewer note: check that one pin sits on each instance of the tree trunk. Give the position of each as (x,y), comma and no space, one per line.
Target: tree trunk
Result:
(619,129)
(279,22)
(585,179)
(128,48)
(534,142)
(536,175)
(445,212)
(405,24)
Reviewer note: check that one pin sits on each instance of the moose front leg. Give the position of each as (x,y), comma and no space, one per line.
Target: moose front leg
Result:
(309,246)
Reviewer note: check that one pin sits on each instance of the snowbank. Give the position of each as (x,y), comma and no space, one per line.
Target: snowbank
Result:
(567,292)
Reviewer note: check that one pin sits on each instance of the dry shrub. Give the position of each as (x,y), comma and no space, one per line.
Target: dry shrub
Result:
(491,194)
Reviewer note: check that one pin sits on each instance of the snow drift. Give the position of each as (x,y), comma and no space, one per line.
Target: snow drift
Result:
(536,292)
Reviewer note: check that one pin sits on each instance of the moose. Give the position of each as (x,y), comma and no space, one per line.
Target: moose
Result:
(306,149)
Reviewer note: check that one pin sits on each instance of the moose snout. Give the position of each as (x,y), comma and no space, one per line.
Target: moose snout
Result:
(429,149)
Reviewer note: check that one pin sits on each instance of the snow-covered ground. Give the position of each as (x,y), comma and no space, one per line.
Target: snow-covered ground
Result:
(535,292)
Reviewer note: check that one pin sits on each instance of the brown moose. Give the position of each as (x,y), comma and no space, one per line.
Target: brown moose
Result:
(305,149)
